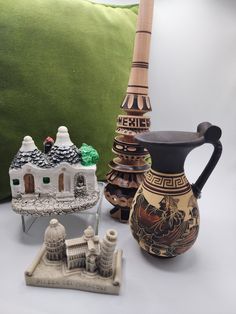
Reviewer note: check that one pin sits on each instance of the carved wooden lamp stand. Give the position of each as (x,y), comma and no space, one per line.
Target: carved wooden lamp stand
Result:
(129,165)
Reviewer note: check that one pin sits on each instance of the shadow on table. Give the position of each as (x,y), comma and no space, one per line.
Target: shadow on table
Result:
(73,223)
(176,264)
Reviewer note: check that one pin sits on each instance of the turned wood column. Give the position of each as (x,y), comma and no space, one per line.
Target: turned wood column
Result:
(129,164)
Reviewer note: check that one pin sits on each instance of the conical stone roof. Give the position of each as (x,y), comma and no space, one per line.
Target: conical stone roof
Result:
(59,154)
(29,153)
(64,150)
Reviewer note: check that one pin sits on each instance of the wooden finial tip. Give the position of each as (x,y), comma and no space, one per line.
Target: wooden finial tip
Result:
(145,16)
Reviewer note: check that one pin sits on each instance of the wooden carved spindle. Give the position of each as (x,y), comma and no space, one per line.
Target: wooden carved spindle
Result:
(129,165)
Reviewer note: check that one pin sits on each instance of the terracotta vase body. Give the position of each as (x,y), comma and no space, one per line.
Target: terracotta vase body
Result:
(164,216)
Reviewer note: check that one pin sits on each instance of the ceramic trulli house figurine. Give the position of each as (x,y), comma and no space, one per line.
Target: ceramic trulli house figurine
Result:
(85,263)
(62,179)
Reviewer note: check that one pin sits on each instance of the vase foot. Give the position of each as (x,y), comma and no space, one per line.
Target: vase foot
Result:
(161,257)
(120,214)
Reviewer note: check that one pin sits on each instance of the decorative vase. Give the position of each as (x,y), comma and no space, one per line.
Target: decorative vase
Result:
(164,217)
(128,167)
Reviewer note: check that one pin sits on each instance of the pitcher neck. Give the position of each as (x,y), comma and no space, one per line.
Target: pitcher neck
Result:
(163,183)
(170,161)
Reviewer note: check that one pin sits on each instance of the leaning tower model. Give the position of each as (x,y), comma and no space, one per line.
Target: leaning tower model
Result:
(107,251)
(54,240)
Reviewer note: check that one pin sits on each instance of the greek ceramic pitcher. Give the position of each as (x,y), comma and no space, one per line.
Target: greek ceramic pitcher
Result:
(164,217)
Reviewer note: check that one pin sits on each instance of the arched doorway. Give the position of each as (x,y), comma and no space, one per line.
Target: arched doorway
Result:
(29,183)
(61,182)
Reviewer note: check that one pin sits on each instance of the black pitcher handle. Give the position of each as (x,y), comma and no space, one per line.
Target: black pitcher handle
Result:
(211,134)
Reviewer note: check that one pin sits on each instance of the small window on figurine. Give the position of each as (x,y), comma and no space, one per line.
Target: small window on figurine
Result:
(16,181)
(46,180)
(80,185)
(80,181)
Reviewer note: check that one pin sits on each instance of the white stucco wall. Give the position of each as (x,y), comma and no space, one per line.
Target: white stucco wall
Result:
(69,171)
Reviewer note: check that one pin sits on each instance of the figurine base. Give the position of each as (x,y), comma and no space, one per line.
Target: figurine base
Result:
(46,206)
(160,257)
(95,211)
(45,273)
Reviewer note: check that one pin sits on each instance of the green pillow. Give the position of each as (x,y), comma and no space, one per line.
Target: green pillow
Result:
(62,62)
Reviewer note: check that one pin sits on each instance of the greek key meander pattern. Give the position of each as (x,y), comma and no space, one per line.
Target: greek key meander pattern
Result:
(171,184)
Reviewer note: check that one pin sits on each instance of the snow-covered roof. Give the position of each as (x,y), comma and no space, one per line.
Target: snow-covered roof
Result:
(62,151)
(29,153)
(28,144)
(63,137)
(35,157)
(70,154)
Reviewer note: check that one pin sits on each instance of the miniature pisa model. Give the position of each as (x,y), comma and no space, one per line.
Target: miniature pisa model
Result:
(83,263)
(129,165)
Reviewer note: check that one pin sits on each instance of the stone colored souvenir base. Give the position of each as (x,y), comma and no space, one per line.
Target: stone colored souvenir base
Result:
(46,206)
(55,274)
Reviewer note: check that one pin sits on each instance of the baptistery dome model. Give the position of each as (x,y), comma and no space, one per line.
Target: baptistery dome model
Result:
(54,240)
(62,179)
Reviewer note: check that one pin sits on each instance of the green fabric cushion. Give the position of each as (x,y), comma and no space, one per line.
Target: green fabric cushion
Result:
(62,62)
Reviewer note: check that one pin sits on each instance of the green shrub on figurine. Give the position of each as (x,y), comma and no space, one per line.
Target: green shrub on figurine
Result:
(89,155)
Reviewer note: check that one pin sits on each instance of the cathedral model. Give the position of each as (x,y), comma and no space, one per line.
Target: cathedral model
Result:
(84,263)
(60,180)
